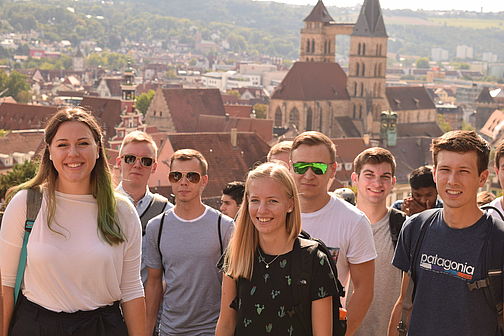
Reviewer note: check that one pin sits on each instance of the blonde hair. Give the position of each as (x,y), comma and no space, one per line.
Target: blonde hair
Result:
(239,256)
(139,136)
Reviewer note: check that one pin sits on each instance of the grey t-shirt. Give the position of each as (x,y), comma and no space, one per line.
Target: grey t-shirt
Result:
(190,250)
(448,259)
(387,282)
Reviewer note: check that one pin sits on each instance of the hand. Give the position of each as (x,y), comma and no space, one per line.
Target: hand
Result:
(410,206)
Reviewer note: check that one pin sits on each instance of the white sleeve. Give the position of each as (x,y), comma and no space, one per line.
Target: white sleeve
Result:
(361,243)
(11,237)
(131,282)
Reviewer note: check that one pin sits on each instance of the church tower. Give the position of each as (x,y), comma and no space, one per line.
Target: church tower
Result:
(317,43)
(367,67)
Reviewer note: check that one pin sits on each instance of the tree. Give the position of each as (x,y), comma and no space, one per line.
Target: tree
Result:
(15,85)
(143,101)
(20,173)
(422,63)
(443,124)
(261,111)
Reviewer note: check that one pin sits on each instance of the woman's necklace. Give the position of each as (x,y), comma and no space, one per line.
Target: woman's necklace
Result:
(262,259)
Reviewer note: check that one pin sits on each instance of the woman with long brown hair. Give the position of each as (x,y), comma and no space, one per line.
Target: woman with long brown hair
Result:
(83,254)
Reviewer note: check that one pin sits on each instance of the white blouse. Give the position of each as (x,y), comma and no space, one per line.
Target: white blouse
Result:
(71,267)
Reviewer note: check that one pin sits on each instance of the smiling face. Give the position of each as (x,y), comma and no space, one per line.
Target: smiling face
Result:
(374,183)
(457,179)
(136,175)
(268,205)
(73,153)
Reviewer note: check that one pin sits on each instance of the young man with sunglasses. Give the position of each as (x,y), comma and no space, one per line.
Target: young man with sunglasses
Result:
(137,162)
(183,246)
(341,226)
(374,178)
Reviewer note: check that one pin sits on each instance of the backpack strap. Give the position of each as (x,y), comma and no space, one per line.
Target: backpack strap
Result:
(396,221)
(156,206)
(220,233)
(33,204)
(159,239)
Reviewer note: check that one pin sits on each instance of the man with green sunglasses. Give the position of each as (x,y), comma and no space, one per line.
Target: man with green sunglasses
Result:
(341,226)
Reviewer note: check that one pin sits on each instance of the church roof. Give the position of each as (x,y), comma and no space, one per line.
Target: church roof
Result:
(484,96)
(370,22)
(319,13)
(313,81)
(405,98)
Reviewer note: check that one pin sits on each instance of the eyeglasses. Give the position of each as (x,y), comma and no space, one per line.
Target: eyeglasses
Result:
(131,159)
(176,176)
(319,168)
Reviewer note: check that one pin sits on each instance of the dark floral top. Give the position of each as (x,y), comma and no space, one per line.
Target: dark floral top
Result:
(265,306)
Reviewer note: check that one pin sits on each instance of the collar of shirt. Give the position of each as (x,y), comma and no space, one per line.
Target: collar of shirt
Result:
(143,203)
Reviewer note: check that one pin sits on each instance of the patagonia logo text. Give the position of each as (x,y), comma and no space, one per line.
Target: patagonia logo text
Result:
(441,265)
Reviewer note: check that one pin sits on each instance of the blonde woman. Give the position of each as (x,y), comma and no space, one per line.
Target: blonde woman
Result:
(84,251)
(258,286)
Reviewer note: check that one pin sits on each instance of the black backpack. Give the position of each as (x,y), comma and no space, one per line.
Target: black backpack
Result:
(396,221)
(491,262)
(301,275)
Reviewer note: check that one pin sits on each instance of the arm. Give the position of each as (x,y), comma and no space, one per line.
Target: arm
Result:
(395,316)
(362,276)
(153,296)
(134,316)
(8,307)
(227,319)
(321,314)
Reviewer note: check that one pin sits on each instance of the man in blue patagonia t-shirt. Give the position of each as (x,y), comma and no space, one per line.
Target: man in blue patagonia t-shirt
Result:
(448,257)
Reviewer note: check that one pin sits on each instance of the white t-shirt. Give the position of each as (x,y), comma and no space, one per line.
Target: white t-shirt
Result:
(345,230)
(498,204)
(74,268)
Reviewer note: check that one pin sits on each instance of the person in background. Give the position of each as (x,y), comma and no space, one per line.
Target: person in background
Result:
(346,194)
(423,193)
(84,250)
(258,286)
(484,197)
(231,198)
(280,152)
(499,171)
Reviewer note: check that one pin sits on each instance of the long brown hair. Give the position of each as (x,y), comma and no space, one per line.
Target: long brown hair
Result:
(239,257)
(101,181)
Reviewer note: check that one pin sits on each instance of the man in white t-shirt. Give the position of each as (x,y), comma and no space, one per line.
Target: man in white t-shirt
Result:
(499,171)
(374,177)
(341,226)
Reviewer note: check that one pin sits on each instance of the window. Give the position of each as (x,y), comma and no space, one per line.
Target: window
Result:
(278,117)
(309,119)
(294,117)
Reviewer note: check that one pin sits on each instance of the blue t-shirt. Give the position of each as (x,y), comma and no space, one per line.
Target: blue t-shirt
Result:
(447,260)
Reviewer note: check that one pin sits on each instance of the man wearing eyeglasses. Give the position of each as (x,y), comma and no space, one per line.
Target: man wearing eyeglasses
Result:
(137,161)
(183,245)
(341,226)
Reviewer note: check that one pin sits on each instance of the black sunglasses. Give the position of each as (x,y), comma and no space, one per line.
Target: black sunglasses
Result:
(176,176)
(131,159)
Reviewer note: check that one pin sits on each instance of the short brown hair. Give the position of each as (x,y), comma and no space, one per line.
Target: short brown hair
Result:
(138,136)
(499,153)
(462,142)
(189,154)
(313,138)
(374,155)
(281,147)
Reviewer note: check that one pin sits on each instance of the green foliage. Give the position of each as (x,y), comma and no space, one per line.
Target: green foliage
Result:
(15,85)
(467,126)
(108,60)
(143,101)
(64,62)
(261,111)
(20,173)
(443,124)
(422,63)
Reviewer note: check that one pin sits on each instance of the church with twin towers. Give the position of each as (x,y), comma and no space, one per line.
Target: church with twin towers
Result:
(317,94)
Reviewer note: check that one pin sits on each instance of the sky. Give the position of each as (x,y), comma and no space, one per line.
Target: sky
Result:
(475,5)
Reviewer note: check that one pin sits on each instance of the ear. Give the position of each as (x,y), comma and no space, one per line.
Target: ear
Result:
(394,181)
(355,178)
(483,177)
(154,166)
(204,181)
(118,161)
(332,168)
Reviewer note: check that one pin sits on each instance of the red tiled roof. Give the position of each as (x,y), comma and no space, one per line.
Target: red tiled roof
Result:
(241,111)
(313,81)
(409,98)
(319,13)
(185,105)
(346,151)
(106,110)
(21,142)
(494,124)
(23,116)
(263,127)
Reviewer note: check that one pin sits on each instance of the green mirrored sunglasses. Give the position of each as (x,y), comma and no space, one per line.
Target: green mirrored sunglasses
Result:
(319,168)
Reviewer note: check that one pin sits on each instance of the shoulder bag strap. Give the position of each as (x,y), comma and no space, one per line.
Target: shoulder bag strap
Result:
(33,203)
(220,233)
(159,239)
